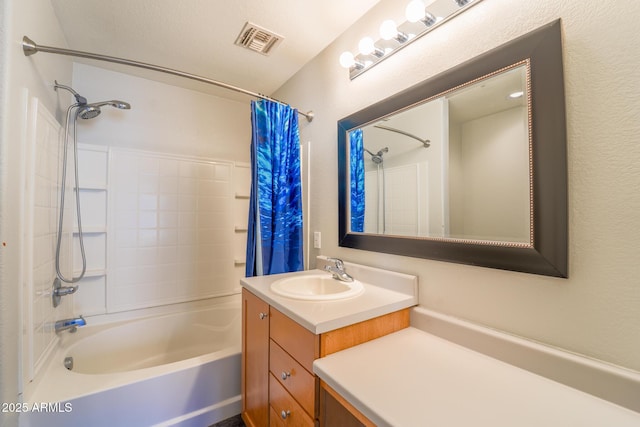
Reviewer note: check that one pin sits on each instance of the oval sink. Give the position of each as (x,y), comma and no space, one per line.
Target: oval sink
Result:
(316,287)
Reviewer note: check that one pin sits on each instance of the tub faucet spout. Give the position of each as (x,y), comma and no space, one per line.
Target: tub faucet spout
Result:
(337,269)
(70,324)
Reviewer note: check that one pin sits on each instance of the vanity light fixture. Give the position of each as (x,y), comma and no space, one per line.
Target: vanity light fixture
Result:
(389,30)
(416,12)
(347,60)
(368,47)
(516,95)
(420,20)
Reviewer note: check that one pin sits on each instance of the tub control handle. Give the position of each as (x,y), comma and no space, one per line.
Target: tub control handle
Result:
(285,375)
(263,316)
(285,414)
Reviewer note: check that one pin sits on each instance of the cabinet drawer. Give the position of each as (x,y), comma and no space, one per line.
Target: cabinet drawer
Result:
(287,411)
(293,377)
(300,343)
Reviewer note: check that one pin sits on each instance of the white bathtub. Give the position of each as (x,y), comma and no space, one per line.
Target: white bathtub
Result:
(180,369)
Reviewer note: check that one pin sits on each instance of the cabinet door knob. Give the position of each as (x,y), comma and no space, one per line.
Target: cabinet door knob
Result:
(285,375)
(263,316)
(284,414)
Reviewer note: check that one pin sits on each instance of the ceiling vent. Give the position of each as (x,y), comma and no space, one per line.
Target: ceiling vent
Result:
(257,38)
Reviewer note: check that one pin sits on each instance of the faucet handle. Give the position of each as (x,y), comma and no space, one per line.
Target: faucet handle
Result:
(338,262)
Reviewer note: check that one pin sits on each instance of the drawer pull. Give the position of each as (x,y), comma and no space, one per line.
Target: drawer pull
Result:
(263,316)
(285,375)
(284,414)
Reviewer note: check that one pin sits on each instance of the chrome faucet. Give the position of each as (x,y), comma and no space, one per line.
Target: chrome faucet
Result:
(59,291)
(70,324)
(337,269)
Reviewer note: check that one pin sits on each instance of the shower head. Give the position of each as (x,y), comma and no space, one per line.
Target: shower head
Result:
(89,111)
(377,157)
(113,103)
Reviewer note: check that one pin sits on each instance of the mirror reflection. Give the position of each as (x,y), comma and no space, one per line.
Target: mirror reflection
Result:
(454,167)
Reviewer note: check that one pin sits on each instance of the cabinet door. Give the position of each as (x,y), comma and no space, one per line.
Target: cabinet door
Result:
(255,360)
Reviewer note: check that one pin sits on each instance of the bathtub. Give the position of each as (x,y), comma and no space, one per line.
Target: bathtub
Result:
(179,369)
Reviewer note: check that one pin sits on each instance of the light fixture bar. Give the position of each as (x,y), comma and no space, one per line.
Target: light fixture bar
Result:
(394,38)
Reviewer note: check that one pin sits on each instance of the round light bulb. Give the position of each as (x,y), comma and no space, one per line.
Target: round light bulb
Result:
(388,29)
(366,46)
(347,60)
(414,11)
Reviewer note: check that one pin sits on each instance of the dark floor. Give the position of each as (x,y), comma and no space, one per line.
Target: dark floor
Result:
(230,422)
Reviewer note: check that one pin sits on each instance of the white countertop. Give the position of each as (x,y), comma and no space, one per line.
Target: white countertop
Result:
(385,292)
(413,378)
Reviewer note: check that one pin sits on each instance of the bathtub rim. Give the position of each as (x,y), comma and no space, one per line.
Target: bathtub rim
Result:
(49,386)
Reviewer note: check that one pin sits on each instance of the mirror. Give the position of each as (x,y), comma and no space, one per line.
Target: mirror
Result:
(456,166)
(469,166)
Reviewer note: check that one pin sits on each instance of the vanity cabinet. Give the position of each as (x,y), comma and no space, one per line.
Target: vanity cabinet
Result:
(278,384)
(336,411)
(255,360)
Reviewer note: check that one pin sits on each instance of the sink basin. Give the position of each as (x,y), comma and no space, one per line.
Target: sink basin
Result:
(316,287)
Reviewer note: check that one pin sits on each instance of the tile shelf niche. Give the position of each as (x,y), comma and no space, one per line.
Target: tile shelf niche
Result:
(93,162)
(242,184)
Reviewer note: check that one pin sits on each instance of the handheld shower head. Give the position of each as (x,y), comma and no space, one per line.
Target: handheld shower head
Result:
(90,111)
(113,103)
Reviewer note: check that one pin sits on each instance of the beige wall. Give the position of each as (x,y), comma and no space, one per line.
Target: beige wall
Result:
(490,194)
(594,312)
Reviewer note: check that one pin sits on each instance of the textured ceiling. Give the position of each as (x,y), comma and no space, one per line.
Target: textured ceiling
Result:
(197,36)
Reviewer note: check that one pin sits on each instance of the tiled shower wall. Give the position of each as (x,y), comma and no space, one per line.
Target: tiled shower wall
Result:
(43,163)
(161,228)
(158,229)
(403,203)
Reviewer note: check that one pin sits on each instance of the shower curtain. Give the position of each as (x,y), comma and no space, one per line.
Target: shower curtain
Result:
(274,239)
(356,161)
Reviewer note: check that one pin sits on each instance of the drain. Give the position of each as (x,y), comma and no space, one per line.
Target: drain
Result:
(68,362)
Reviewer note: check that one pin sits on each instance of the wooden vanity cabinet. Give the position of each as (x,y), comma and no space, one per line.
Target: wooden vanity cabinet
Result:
(255,360)
(292,385)
(278,384)
(336,411)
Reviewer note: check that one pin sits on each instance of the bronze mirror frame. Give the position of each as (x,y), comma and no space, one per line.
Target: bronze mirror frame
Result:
(547,255)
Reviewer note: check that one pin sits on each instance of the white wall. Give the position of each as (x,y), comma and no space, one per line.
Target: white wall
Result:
(41,190)
(163,118)
(171,215)
(492,191)
(595,311)
(21,78)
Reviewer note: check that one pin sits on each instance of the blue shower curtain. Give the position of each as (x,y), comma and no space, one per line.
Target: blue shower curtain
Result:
(356,162)
(274,239)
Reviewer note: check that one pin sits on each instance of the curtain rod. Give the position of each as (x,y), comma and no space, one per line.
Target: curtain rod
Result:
(30,47)
(425,142)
